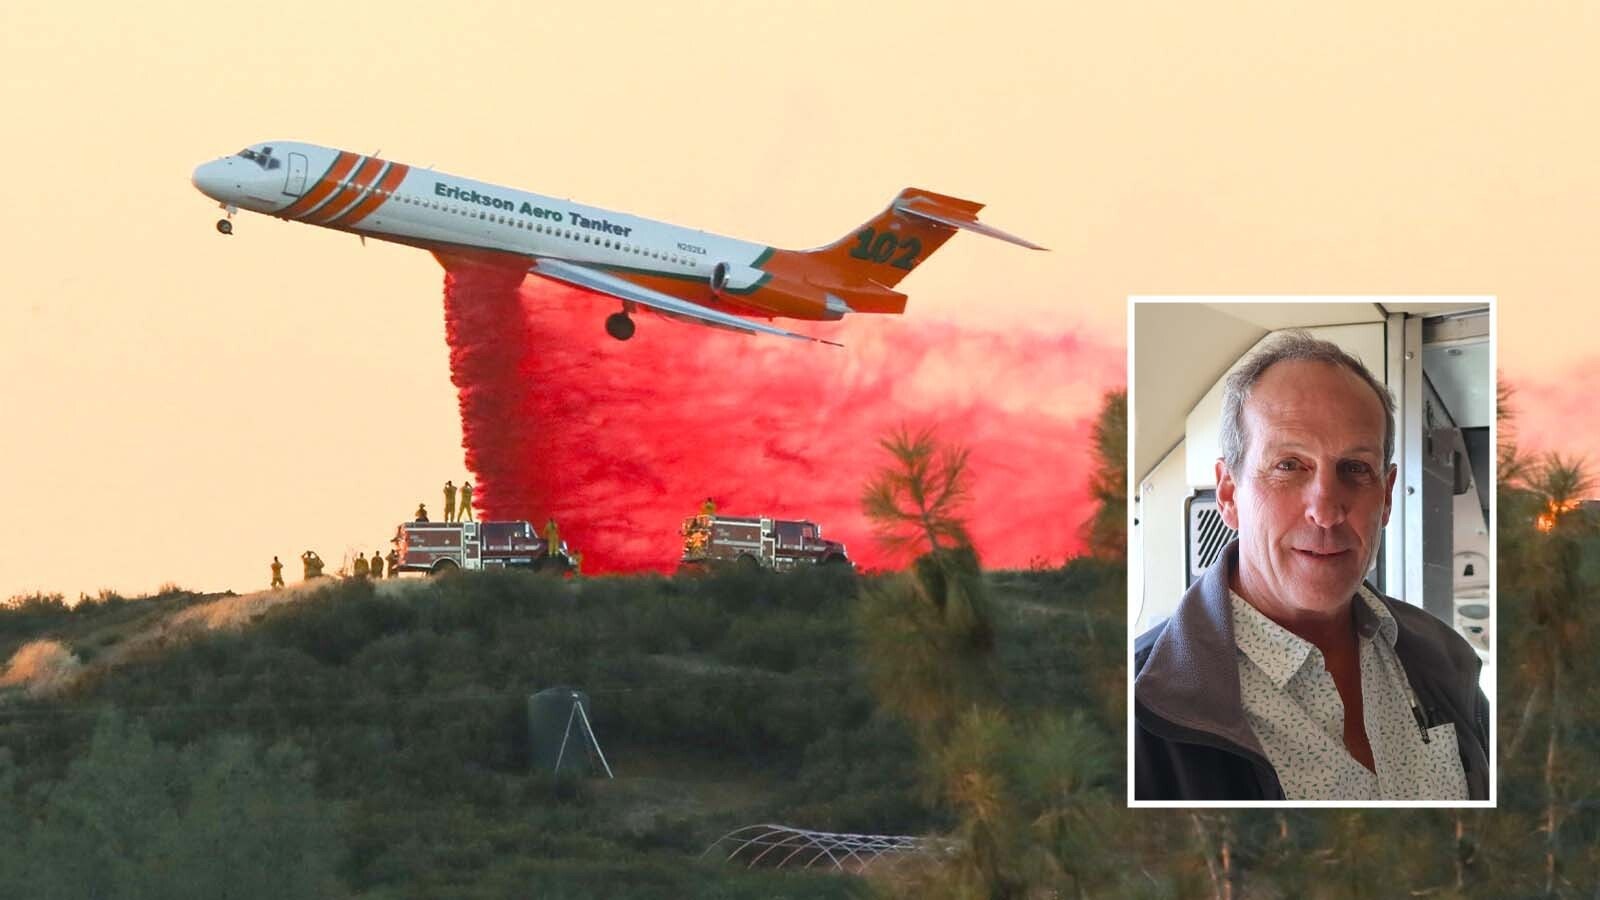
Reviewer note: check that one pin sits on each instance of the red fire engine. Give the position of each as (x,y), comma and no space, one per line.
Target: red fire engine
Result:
(772,543)
(440,547)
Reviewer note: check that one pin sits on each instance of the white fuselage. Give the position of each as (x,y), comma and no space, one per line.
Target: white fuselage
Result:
(380,199)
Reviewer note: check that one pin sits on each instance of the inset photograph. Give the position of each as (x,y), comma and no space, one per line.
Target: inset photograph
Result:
(1310,551)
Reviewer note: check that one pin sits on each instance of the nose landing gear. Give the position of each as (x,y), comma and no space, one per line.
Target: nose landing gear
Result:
(225,226)
(619,326)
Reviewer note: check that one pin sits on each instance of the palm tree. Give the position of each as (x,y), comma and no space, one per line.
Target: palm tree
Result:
(1545,574)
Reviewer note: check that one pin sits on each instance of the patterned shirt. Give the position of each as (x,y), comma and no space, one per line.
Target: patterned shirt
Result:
(1294,708)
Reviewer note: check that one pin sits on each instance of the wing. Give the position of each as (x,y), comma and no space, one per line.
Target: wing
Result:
(604,283)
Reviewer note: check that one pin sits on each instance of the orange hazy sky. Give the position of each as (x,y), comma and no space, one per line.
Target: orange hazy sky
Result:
(179,406)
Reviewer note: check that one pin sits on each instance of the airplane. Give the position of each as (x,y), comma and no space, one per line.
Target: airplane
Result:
(674,271)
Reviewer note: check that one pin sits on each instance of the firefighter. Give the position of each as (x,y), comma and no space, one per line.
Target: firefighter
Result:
(312,563)
(449,502)
(394,563)
(375,566)
(421,514)
(358,569)
(552,537)
(277,573)
(466,501)
(577,563)
(708,508)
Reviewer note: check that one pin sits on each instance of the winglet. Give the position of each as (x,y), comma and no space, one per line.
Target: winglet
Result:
(946,213)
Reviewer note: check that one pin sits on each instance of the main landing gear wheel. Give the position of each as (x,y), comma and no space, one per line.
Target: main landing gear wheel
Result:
(224,226)
(619,326)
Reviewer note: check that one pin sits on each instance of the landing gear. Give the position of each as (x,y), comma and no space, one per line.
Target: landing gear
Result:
(619,326)
(225,226)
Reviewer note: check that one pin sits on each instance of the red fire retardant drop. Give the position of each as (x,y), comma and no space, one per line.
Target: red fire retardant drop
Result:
(620,441)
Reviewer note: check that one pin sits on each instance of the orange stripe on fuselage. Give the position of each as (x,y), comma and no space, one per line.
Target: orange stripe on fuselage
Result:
(386,186)
(342,164)
(347,194)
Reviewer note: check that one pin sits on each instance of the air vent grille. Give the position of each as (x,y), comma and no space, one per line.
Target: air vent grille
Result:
(1208,534)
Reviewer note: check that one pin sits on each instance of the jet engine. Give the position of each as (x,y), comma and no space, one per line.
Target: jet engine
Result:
(733,278)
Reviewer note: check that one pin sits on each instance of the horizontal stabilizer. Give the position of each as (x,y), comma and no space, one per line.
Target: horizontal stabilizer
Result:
(954,216)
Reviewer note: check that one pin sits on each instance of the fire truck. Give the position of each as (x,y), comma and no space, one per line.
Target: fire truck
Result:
(440,547)
(756,542)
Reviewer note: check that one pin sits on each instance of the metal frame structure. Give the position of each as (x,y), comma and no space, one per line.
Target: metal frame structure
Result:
(851,853)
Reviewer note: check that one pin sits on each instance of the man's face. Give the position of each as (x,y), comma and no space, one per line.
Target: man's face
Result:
(1312,493)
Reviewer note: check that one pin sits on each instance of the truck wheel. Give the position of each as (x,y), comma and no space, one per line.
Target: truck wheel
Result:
(836,560)
(443,567)
(748,563)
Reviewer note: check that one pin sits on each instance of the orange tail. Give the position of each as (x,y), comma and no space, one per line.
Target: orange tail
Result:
(887,247)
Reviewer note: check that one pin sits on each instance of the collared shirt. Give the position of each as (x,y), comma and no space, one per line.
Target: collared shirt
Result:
(1294,708)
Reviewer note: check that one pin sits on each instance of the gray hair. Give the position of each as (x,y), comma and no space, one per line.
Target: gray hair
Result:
(1289,346)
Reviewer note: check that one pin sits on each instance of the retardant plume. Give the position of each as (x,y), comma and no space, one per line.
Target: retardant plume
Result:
(620,441)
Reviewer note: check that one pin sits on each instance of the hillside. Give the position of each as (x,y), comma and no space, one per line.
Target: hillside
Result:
(720,702)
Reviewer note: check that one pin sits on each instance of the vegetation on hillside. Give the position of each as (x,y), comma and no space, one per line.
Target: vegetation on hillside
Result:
(373,742)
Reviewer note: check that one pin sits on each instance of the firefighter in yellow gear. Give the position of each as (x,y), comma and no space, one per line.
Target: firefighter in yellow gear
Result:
(394,563)
(449,502)
(312,563)
(277,573)
(708,508)
(358,569)
(552,537)
(375,567)
(466,501)
(421,515)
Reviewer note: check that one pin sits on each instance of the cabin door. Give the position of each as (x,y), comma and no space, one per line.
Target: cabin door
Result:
(295,184)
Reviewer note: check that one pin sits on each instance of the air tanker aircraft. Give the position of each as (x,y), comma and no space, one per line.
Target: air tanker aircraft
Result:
(675,271)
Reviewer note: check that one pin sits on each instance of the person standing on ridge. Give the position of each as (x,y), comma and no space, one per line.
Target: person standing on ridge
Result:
(552,537)
(708,508)
(466,501)
(394,563)
(277,573)
(375,567)
(449,502)
(358,569)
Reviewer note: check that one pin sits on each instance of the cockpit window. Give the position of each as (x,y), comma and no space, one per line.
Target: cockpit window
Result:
(264,159)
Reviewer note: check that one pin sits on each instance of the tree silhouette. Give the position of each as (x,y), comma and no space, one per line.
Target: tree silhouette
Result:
(917,500)
(1106,531)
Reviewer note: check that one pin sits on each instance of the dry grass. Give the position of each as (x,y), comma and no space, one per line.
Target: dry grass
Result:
(41,668)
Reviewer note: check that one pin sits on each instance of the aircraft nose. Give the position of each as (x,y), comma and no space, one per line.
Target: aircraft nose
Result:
(211,179)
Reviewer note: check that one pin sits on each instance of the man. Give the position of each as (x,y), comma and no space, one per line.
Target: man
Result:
(421,515)
(312,563)
(375,566)
(708,508)
(1281,675)
(277,573)
(552,537)
(449,502)
(466,501)
(394,563)
(358,569)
